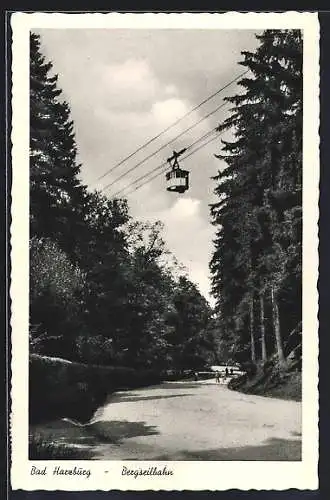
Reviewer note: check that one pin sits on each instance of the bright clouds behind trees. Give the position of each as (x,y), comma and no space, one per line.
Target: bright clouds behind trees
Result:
(256,265)
(101,288)
(128,306)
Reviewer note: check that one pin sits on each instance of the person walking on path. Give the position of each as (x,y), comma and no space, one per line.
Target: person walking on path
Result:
(217,377)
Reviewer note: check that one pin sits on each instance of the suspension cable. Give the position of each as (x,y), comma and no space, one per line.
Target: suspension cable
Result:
(176,122)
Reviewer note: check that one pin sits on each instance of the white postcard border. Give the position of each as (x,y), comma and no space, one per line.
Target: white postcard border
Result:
(208,475)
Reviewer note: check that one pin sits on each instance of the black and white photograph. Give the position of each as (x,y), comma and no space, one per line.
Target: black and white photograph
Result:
(165,211)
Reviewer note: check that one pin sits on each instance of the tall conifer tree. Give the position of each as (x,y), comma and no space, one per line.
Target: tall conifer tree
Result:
(56,194)
(259,212)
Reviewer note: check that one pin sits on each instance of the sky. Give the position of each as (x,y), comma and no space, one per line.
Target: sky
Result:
(124,86)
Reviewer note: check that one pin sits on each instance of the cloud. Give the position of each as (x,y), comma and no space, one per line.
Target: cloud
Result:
(168,111)
(184,208)
(198,275)
(186,234)
(171,89)
(126,86)
(131,81)
(131,73)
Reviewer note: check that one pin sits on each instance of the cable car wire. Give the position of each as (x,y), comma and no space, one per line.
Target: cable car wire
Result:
(165,163)
(185,157)
(163,147)
(123,160)
(160,173)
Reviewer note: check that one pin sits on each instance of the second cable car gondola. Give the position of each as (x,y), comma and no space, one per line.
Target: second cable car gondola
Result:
(177,179)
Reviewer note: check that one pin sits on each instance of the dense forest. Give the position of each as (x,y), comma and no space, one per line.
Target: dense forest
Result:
(257,261)
(110,307)
(103,288)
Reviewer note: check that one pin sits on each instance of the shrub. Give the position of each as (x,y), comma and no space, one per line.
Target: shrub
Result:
(42,449)
(61,388)
(249,368)
(56,287)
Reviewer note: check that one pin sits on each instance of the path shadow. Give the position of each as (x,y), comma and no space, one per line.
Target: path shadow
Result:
(115,431)
(131,398)
(272,450)
(65,440)
(180,385)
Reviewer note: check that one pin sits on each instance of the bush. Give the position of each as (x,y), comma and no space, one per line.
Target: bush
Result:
(249,368)
(42,449)
(56,290)
(60,388)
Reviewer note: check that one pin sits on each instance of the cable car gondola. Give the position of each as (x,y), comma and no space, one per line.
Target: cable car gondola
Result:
(177,179)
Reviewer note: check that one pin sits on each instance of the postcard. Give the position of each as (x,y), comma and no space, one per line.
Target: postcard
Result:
(164,251)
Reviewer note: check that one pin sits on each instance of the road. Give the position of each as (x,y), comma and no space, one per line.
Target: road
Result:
(190,421)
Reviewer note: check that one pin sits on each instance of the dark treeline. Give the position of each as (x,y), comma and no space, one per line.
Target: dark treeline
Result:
(257,261)
(103,288)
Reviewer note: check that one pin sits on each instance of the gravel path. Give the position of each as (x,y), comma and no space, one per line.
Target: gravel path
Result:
(184,421)
(196,421)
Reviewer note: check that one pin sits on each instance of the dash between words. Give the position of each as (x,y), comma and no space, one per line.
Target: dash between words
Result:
(80,471)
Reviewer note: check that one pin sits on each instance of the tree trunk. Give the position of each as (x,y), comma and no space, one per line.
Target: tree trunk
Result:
(277,329)
(262,327)
(253,347)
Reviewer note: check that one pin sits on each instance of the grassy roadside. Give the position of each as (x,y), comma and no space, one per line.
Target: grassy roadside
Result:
(269,380)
